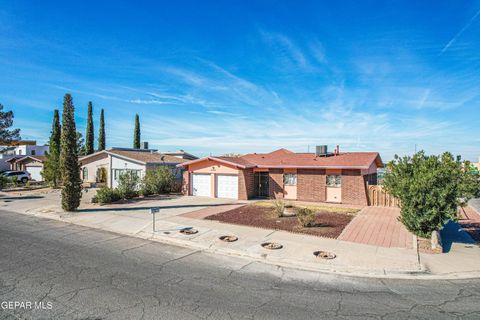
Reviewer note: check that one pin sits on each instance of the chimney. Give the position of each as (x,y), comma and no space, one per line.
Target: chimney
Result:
(321,151)
(337,150)
(144,145)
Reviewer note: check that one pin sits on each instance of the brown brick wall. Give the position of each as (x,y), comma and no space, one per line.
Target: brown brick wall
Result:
(311,185)
(354,188)
(245,184)
(275,183)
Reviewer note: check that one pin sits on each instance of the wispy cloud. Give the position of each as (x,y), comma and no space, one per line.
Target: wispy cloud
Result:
(459,33)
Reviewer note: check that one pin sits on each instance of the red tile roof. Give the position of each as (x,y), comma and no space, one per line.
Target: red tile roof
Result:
(283,158)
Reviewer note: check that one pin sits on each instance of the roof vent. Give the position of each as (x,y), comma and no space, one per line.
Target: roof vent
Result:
(321,151)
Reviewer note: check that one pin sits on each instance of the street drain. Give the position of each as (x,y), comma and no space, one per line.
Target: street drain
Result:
(325,255)
(228,238)
(272,245)
(188,231)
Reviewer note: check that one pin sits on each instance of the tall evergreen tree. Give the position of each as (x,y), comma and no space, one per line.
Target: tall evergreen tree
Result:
(6,121)
(101,133)
(89,135)
(72,185)
(136,134)
(51,169)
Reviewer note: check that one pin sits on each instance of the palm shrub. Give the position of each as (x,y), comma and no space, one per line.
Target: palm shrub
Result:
(128,183)
(429,188)
(306,217)
(159,181)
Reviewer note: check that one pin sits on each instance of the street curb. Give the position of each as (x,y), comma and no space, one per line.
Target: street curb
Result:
(420,274)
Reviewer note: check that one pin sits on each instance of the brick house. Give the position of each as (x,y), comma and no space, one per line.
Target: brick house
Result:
(283,174)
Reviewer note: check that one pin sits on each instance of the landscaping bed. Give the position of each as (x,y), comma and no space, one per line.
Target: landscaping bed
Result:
(328,221)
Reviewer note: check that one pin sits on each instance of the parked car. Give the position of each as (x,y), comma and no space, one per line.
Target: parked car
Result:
(22,176)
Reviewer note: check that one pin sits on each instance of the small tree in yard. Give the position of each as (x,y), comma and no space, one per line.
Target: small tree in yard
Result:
(128,183)
(430,189)
(158,181)
(72,188)
(51,170)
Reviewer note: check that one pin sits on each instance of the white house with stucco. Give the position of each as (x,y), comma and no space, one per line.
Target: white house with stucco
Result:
(106,166)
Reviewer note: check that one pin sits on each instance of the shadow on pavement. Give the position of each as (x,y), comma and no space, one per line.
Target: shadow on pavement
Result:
(453,233)
(22,198)
(159,207)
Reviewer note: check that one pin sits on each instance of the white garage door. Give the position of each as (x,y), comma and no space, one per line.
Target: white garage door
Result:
(35,173)
(227,186)
(201,185)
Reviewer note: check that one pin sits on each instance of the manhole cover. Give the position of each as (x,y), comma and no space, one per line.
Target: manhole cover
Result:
(188,231)
(229,238)
(272,245)
(325,255)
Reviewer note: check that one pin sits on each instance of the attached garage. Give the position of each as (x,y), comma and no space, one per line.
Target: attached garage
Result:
(226,186)
(201,185)
(35,172)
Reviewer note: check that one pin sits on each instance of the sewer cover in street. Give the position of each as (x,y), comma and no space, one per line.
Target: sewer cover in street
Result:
(188,231)
(229,238)
(325,255)
(272,245)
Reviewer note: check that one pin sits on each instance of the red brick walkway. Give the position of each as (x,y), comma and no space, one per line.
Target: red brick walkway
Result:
(378,226)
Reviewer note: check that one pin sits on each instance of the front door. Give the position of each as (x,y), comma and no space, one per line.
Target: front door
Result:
(261,184)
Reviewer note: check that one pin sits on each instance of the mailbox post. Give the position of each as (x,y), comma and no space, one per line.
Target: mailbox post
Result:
(153,211)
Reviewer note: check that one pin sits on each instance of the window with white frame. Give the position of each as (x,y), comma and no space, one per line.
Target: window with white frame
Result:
(85,173)
(118,172)
(290,179)
(334,180)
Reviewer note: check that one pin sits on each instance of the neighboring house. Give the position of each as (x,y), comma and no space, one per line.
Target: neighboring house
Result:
(181,154)
(282,174)
(106,166)
(32,164)
(19,149)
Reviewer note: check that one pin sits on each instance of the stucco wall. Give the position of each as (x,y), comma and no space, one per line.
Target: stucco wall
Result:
(93,164)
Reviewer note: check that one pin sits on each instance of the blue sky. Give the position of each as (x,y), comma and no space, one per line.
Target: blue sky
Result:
(250,76)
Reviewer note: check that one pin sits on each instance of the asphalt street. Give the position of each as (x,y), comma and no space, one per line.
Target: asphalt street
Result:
(53,270)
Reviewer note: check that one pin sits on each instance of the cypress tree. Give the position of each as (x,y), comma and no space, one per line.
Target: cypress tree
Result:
(89,135)
(72,185)
(51,172)
(136,134)
(101,133)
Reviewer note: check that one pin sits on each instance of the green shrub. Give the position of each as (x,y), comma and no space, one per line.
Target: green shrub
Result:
(3,181)
(430,189)
(159,181)
(14,181)
(279,207)
(106,195)
(128,184)
(306,217)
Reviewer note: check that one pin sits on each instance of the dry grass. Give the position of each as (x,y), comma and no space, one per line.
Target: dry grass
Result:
(314,207)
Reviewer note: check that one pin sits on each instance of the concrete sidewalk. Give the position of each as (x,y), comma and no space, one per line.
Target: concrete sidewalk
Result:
(352,259)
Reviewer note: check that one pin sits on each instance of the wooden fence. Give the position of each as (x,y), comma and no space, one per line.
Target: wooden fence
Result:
(378,197)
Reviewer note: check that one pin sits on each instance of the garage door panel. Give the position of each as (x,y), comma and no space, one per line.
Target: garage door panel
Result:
(227,186)
(201,185)
(35,172)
